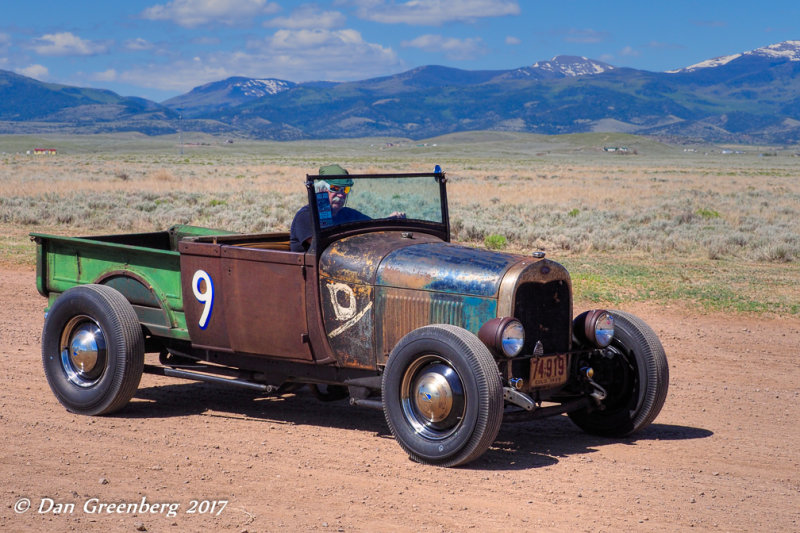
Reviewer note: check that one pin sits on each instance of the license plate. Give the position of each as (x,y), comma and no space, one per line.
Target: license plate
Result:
(549,370)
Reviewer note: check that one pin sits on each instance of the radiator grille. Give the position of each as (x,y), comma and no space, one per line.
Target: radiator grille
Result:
(545,310)
(404,311)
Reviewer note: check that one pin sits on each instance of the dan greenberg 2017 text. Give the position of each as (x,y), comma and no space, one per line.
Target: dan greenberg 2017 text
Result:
(94,506)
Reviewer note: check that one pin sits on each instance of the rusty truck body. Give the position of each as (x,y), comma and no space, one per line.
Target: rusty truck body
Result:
(448,340)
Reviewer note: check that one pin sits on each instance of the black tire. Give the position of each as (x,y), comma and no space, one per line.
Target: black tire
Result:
(101,370)
(458,369)
(636,380)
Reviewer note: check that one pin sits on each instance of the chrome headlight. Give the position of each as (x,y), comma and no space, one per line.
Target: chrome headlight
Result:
(604,329)
(512,338)
(504,336)
(595,327)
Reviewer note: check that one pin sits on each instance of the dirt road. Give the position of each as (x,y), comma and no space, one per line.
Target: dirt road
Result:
(724,455)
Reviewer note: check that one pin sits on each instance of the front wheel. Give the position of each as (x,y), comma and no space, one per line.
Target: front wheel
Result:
(92,350)
(635,376)
(442,395)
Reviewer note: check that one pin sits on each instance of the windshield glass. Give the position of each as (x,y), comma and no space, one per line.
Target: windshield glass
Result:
(344,199)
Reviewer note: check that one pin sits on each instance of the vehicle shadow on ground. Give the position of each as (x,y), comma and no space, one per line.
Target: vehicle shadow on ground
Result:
(299,407)
(539,443)
(519,446)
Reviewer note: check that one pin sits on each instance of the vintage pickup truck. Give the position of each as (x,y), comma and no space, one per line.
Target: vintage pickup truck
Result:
(448,340)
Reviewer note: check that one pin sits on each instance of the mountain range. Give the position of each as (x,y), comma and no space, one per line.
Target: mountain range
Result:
(749,97)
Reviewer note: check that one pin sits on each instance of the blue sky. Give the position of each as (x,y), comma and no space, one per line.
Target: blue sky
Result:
(161,48)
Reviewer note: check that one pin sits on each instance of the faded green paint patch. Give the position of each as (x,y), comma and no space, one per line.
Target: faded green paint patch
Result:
(477,311)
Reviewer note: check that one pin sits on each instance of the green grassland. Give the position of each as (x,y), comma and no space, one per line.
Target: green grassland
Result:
(716,228)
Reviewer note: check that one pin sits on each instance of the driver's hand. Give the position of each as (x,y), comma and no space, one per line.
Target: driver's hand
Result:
(398,214)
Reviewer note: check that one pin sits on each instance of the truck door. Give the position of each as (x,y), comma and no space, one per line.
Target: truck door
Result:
(265,302)
(245,300)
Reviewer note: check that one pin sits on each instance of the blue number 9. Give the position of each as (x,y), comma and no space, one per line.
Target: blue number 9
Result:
(205,296)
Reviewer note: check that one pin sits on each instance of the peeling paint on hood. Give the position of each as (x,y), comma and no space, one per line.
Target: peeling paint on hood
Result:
(445,267)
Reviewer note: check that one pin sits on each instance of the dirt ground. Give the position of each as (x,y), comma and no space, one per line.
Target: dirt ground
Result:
(724,455)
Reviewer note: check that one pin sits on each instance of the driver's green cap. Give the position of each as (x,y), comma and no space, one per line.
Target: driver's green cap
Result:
(332,170)
(336,170)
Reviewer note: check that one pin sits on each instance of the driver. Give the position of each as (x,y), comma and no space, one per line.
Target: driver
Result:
(302,229)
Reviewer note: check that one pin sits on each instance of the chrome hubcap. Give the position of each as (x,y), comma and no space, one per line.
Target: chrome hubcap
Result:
(83,351)
(432,397)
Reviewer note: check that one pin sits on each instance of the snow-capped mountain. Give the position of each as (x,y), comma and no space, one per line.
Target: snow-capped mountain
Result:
(572,66)
(225,93)
(560,67)
(258,88)
(749,97)
(787,50)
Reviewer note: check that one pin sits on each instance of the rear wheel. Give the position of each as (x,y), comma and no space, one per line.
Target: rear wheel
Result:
(442,395)
(635,378)
(92,350)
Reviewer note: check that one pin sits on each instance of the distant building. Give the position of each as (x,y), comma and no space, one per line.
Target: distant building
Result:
(44,151)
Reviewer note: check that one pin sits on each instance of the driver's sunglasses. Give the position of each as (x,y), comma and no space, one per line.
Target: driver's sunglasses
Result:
(340,188)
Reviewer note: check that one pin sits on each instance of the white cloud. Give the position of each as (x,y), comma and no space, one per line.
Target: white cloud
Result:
(305,39)
(295,55)
(193,13)
(432,12)
(513,40)
(629,51)
(451,47)
(139,44)
(178,76)
(308,17)
(67,44)
(106,75)
(34,71)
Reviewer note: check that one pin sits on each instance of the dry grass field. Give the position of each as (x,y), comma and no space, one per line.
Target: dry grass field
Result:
(659,223)
(701,245)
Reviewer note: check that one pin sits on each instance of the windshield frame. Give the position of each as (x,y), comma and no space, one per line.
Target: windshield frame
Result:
(324,236)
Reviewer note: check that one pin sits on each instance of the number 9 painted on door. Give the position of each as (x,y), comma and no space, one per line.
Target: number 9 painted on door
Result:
(205,296)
